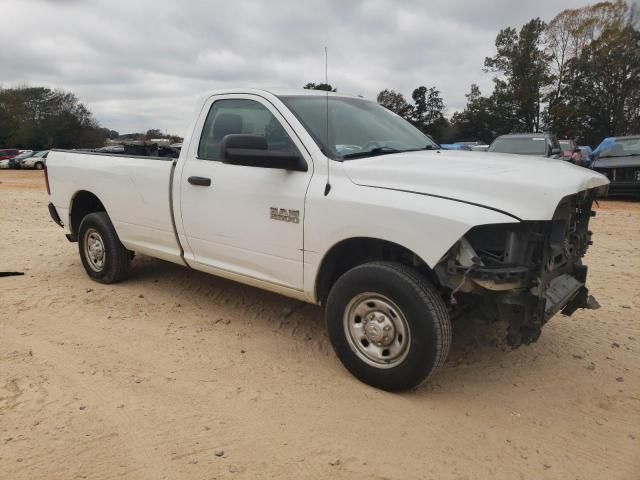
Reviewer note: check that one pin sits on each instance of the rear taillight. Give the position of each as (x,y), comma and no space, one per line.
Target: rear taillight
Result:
(46,179)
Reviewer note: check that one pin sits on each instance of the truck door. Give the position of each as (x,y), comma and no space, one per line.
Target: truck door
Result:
(242,219)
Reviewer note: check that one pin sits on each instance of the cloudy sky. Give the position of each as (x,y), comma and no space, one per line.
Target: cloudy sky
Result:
(140,64)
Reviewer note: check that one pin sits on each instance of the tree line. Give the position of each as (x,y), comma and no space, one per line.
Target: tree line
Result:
(39,118)
(578,76)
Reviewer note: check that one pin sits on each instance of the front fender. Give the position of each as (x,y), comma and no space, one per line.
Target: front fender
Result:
(428,226)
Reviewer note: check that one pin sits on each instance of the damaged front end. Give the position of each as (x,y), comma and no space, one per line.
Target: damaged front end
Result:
(523,272)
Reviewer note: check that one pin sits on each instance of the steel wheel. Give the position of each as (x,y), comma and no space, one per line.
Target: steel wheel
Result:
(376,330)
(94,249)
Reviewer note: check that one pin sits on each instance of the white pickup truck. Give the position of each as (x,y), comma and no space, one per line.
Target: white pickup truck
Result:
(336,201)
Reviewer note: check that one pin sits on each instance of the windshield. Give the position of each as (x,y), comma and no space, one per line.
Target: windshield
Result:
(622,147)
(357,127)
(519,145)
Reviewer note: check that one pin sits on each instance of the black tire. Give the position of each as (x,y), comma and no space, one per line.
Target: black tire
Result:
(421,309)
(39,166)
(116,260)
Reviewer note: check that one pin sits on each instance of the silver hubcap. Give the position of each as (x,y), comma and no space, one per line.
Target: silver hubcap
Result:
(94,250)
(376,330)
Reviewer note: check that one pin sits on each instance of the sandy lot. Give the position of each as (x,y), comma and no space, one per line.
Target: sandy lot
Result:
(155,377)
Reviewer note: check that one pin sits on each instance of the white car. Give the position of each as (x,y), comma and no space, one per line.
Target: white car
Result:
(37,160)
(392,235)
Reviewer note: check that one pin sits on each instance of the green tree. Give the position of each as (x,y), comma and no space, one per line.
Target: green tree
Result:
(395,102)
(523,66)
(154,133)
(39,118)
(428,111)
(320,86)
(478,121)
(597,93)
(110,134)
(607,81)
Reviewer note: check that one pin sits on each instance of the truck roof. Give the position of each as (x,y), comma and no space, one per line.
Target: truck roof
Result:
(279,91)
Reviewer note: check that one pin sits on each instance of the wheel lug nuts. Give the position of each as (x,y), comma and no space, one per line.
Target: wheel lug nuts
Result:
(387,328)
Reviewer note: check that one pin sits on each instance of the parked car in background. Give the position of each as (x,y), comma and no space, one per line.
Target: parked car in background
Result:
(535,144)
(610,143)
(4,163)
(110,149)
(455,146)
(480,148)
(587,155)
(618,158)
(16,162)
(37,160)
(8,153)
(567,146)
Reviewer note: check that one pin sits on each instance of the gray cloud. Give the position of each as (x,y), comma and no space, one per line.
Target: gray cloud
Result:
(142,64)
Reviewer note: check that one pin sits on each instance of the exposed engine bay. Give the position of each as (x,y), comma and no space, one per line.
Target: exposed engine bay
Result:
(524,272)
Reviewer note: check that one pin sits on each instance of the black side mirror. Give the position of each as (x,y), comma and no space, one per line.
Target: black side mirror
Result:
(253,151)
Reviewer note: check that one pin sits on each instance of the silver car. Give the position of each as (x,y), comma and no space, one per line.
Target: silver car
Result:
(37,160)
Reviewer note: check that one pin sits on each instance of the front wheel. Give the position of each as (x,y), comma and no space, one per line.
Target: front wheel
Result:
(39,165)
(388,325)
(103,256)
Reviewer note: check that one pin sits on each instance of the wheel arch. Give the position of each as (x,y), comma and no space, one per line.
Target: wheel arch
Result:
(351,252)
(82,203)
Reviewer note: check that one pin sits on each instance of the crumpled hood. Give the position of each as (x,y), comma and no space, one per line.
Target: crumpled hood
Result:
(526,187)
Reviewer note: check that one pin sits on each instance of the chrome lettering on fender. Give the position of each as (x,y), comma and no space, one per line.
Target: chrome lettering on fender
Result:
(285,215)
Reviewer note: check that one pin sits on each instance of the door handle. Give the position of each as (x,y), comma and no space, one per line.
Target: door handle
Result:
(201,181)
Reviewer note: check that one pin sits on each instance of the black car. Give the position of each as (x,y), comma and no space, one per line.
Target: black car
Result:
(535,144)
(619,160)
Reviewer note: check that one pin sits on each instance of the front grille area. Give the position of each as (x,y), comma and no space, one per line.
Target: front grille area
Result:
(559,280)
(525,272)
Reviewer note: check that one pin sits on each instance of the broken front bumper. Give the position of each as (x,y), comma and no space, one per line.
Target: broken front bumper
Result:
(528,311)
(526,272)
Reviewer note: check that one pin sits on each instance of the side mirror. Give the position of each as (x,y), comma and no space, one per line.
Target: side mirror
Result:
(253,151)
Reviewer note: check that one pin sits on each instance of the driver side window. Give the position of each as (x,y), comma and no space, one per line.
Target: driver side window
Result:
(234,116)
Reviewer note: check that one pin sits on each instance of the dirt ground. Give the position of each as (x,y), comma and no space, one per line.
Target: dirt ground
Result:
(175,374)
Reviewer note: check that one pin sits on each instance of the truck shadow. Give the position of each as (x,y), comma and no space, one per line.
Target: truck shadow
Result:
(478,348)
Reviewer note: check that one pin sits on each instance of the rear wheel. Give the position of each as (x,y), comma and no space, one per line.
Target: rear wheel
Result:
(388,325)
(103,256)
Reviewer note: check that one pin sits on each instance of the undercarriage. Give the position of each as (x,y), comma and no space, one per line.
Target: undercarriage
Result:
(523,272)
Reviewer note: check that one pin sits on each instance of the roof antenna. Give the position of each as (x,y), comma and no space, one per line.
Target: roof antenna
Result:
(327,187)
